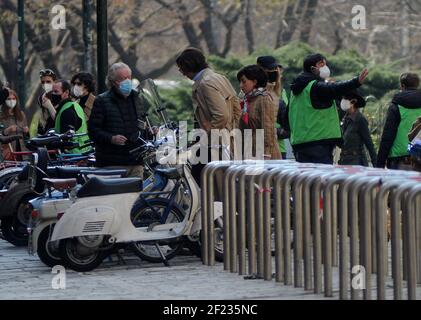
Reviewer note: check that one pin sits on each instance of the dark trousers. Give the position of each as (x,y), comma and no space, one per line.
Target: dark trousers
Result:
(196,172)
(315,154)
(401,163)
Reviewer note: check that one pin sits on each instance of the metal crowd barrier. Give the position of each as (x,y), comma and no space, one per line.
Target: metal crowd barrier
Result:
(338,219)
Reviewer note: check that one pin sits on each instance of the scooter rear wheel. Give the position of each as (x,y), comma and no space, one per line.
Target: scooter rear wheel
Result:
(79,257)
(143,216)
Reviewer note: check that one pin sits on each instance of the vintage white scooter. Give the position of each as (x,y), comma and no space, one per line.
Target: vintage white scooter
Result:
(45,209)
(111,212)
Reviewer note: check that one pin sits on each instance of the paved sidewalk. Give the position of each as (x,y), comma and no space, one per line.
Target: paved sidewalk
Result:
(25,277)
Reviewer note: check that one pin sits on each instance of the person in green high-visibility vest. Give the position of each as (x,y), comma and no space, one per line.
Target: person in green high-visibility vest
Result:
(70,115)
(402,113)
(312,113)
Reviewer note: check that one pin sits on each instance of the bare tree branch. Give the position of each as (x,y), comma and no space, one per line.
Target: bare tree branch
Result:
(161,70)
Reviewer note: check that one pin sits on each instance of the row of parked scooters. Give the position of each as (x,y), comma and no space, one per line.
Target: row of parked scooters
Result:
(76,215)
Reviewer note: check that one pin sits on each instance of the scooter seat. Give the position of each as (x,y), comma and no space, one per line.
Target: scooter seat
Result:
(68,172)
(105,172)
(60,184)
(170,173)
(101,187)
(41,142)
(74,172)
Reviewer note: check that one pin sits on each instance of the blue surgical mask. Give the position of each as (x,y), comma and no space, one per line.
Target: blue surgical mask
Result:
(126,87)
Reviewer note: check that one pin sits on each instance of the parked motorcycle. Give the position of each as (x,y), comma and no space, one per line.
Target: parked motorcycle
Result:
(107,213)
(14,213)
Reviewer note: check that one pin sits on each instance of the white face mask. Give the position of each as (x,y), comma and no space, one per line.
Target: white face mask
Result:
(324,72)
(345,105)
(11,103)
(77,91)
(48,87)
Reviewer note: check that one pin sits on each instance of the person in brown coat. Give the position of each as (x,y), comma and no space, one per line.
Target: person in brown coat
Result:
(14,121)
(211,91)
(215,102)
(259,110)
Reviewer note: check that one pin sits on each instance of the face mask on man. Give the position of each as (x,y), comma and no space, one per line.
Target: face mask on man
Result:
(55,99)
(77,91)
(126,87)
(48,87)
(11,103)
(345,105)
(324,72)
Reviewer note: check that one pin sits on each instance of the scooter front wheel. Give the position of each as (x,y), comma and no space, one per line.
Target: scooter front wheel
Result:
(196,246)
(147,216)
(80,257)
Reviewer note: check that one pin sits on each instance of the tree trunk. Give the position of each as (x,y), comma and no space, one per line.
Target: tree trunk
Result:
(405,38)
(307,20)
(293,19)
(249,26)
(206,26)
(8,61)
(286,12)
(87,36)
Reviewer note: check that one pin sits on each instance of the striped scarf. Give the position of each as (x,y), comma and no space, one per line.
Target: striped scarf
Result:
(245,102)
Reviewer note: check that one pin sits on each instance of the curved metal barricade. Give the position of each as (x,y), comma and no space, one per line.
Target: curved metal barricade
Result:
(317,226)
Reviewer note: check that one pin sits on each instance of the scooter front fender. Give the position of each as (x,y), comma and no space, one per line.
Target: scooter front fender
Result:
(36,232)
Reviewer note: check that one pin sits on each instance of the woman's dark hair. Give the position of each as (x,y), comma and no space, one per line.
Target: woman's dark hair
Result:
(16,110)
(192,60)
(86,79)
(254,72)
(311,61)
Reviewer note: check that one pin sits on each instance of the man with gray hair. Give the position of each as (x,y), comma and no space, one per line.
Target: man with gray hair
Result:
(113,125)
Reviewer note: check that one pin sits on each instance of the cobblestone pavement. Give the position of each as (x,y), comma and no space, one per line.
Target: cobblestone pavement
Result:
(25,277)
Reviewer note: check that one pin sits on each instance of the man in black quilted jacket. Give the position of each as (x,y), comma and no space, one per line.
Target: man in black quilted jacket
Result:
(113,125)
